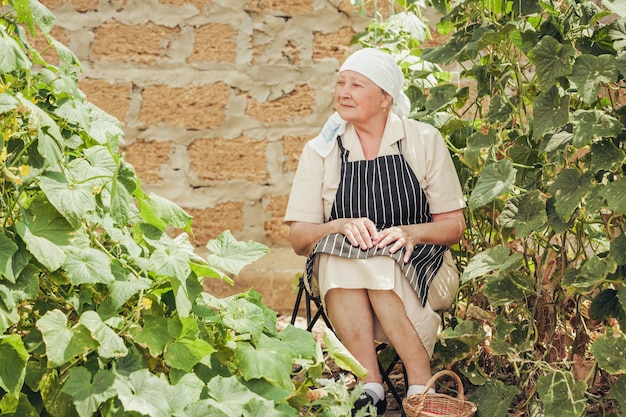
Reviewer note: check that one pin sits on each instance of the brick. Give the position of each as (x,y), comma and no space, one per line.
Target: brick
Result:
(148,157)
(220,159)
(144,43)
(208,223)
(333,45)
(112,98)
(192,106)
(285,7)
(292,148)
(78,5)
(296,104)
(214,43)
(276,230)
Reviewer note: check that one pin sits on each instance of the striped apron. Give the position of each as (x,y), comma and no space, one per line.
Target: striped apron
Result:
(386,191)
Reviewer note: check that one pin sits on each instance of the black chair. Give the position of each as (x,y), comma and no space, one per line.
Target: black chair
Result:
(312,318)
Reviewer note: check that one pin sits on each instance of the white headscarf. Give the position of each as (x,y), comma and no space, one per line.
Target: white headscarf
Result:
(383,70)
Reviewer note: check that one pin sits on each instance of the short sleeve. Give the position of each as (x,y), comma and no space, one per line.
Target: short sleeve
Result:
(431,161)
(305,199)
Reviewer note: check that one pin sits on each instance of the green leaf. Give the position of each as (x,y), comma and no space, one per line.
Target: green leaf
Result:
(88,266)
(25,287)
(342,357)
(269,360)
(496,258)
(7,103)
(561,395)
(441,96)
(569,190)
(103,125)
(7,249)
(590,72)
(171,262)
(244,317)
(56,402)
(231,255)
(604,305)
(50,143)
(145,393)
(605,156)
(618,251)
(185,392)
(552,60)
(170,212)
(125,286)
(500,108)
(524,213)
(592,124)
(551,111)
(299,341)
(593,272)
(615,195)
(493,398)
(186,353)
(12,57)
(89,393)
(229,395)
(618,392)
(616,6)
(42,16)
(154,334)
(469,332)
(63,343)
(502,290)
(610,351)
(45,233)
(13,364)
(110,344)
(495,180)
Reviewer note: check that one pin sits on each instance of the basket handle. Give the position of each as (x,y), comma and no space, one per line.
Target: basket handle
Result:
(434,378)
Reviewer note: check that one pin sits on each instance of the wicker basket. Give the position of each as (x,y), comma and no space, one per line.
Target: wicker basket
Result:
(434,405)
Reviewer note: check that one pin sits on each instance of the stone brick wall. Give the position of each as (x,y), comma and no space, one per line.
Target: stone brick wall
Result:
(217,98)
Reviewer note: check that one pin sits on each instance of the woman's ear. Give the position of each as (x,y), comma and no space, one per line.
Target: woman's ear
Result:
(387,100)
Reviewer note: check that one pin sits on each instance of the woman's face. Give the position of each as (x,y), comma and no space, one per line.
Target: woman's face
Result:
(358,99)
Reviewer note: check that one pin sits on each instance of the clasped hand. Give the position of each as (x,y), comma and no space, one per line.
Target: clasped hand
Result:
(362,232)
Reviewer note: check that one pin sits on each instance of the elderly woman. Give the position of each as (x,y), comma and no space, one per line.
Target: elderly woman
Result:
(375,204)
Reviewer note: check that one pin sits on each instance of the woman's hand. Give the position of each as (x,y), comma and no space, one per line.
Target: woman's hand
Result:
(360,232)
(399,236)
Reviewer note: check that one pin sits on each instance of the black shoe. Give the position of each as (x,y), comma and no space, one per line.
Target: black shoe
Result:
(365,399)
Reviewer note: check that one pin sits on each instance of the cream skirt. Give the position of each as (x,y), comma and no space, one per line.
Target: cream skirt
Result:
(383,273)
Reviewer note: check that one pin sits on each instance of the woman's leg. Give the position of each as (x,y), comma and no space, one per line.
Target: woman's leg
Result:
(390,311)
(352,317)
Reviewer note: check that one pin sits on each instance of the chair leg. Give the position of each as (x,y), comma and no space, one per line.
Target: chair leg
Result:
(296,306)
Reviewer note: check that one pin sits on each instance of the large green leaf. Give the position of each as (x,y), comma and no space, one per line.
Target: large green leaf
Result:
(500,108)
(231,255)
(569,190)
(299,341)
(495,180)
(110,344)
(154,334)
(145,393)
(63,343)
(229,395)
(186,353)
(552,59)
(89,392)
(493,259)
(561,395)
(615,194)
(551,111)
(125,286)
(605,156)
(171,262)
(592,124)
(590,72)
(493,398)
(268,360)
(13,363)
(12,57)
(618,250)
(244,317)
(25,287)
(525,213)
(88,266)
(103,126)
(8,103)
(56,402)
(45,233)
(610,351)
(72,200)
(50,143)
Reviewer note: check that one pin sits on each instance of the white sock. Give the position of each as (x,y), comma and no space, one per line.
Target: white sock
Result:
(418,389)
(375,389)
